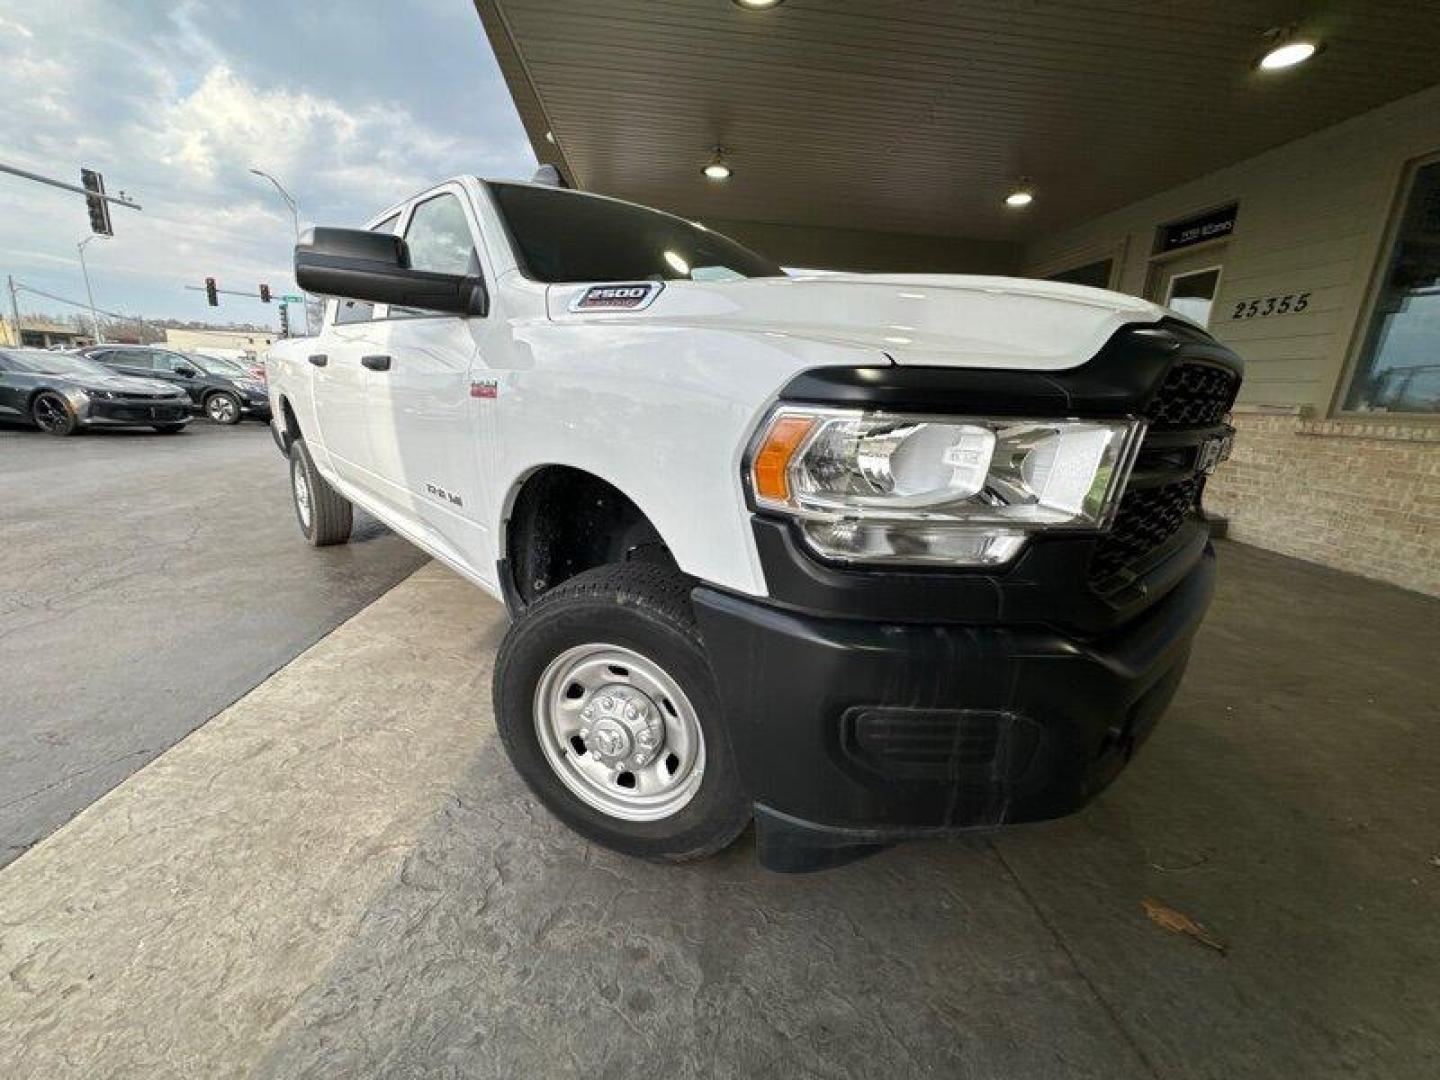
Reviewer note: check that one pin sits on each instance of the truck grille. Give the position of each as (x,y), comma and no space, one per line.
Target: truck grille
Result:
(1147,520)
(1193,394)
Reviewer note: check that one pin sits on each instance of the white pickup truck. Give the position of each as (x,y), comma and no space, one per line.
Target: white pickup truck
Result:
(857,557)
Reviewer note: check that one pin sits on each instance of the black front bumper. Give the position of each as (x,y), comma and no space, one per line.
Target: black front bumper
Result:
(852,733)
(136,411)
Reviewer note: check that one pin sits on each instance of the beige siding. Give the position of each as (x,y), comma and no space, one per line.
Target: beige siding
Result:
(1313,216)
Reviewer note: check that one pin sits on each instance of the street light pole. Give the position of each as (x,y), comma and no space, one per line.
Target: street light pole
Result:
(89,294)
(294,216)
(289,201)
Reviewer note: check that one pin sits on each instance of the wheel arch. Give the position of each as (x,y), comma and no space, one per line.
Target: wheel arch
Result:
(559,520)
(288,428)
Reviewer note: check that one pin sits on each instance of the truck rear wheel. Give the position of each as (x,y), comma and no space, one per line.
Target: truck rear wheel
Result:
(606,706)
(324,514)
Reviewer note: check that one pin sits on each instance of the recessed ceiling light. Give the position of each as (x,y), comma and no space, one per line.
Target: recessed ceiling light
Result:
(758,5)
(1287,54)
(717,169)
(1020,197)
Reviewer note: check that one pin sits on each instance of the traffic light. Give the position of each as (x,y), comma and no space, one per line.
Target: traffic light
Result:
(212,294)
(264,294)
(99,209)
(284,320)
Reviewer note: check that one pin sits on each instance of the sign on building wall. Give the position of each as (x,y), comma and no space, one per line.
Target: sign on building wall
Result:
(1211,225)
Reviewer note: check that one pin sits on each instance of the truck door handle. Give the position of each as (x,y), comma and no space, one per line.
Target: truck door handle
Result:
(319,359)
(376,363)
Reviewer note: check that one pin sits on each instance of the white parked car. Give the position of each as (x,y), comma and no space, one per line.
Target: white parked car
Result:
(858,557)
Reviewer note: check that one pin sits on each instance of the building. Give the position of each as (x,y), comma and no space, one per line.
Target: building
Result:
(249,342)
(1295,211)
(42,334)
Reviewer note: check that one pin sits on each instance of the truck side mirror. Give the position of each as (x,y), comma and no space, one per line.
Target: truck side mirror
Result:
(356,264)
(185,372)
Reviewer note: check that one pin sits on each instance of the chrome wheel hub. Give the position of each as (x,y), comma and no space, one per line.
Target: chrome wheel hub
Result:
(619,732)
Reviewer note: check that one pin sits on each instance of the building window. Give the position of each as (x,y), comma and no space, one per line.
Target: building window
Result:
(1193,294)
(1095,274)
(1398,369)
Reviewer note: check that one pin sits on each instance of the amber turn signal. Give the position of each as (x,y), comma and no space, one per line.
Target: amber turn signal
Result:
(772,460)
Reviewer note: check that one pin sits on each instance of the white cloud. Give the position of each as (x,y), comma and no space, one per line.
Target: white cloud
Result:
(176,121)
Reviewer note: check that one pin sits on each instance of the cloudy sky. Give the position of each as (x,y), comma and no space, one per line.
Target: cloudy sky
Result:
(351,105)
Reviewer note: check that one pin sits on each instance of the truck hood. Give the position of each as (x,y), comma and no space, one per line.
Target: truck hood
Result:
(934,320)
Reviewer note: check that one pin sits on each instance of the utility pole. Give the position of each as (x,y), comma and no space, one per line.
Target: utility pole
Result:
(14,310)
(89,294)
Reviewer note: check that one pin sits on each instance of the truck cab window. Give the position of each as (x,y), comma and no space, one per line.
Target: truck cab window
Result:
(358,311)
(353,311)
(439,237)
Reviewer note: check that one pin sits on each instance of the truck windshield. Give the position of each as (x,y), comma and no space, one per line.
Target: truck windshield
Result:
(564,236)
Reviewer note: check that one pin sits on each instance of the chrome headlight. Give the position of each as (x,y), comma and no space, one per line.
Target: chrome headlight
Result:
(879,487)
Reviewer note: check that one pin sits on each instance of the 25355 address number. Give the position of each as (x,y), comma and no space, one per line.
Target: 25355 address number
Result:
(1261,306)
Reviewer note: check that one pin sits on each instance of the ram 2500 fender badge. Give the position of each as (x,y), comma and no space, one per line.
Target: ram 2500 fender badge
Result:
(633,297)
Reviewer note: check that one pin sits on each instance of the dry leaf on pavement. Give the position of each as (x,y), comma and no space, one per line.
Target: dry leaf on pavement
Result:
(1177,922)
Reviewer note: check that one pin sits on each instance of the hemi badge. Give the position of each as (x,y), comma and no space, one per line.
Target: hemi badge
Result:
(485,388)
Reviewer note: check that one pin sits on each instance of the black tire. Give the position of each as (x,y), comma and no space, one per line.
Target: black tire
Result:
(644,608)
(53,415)
(330,514)
(169,429)
(222,407)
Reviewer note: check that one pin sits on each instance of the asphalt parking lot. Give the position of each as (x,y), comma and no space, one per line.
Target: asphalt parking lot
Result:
(340,875)
(146,582)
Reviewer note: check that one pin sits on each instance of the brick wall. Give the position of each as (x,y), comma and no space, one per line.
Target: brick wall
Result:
(1359,495)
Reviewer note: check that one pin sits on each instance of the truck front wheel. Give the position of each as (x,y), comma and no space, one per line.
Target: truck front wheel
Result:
(324,514)
(607,708)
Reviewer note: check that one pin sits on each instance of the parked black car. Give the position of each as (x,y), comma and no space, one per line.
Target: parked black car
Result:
(223,391)
(64,392)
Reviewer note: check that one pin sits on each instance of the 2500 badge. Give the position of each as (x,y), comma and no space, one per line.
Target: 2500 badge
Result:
(1261,306)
